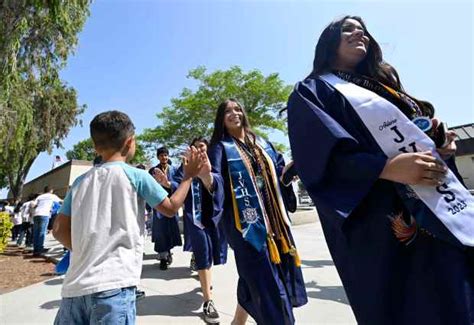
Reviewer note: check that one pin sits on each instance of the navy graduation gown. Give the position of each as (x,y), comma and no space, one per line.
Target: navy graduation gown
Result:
(267,291)
(427,282)
(165,231)
(209,244)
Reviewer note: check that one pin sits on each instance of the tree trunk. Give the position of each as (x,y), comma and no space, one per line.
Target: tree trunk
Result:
(16,183)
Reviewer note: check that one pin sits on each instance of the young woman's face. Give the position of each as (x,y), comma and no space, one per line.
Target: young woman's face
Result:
(233,116)
(201,146)
(354,43)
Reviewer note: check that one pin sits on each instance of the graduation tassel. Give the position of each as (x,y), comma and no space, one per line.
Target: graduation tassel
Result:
(297,259)
(296,256)
(284,245)
(273,250)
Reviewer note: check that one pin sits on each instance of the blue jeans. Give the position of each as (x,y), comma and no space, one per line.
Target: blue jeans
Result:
(25,230)
(39,232)
(111,307)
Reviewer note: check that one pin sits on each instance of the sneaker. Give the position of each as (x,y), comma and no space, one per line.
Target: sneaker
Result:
(139,294)
(211,315)
(192,264)
(163,264)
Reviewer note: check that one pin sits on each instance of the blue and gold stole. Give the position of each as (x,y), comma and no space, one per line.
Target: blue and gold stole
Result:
(247,204)
(251,219)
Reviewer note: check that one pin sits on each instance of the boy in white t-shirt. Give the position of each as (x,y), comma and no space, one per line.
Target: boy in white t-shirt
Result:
(102,223)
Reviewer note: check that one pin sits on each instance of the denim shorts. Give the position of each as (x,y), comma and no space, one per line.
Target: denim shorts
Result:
(111,307)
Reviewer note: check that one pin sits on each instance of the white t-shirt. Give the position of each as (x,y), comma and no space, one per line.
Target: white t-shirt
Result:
(44,203)
(16,218)
(26,212)
(107,209)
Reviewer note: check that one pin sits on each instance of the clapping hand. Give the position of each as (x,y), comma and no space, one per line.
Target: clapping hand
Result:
(192,163)
(161,178)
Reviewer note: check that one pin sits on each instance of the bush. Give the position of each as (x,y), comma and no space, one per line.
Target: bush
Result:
(5,229)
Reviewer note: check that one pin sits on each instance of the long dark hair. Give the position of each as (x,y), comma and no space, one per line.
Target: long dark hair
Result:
(372,65)
(219,127)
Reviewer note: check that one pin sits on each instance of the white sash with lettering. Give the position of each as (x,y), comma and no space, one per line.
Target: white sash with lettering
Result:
(395,134)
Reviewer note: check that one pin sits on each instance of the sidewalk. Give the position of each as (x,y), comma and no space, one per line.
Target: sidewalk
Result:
(302,216)
(174,297)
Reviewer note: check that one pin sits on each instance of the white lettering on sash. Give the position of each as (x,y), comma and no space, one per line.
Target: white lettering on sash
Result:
(395,134)
(244,190)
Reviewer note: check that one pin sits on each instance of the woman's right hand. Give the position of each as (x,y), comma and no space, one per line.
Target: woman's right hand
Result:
(420,168)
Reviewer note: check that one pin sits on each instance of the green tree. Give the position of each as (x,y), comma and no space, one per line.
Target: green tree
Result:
(37,109)
(84,150)
(193,112)
(55,111)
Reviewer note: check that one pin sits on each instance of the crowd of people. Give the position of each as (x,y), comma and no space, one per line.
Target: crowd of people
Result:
(33,219)
(375,160)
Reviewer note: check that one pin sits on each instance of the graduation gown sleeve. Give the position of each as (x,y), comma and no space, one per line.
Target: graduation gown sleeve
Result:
(331,162)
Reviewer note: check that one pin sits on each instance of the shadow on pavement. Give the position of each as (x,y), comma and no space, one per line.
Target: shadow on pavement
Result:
(317,263)
(54,282)
(184,304)
(148,257)
(333,293)
(152,271)
(51,304)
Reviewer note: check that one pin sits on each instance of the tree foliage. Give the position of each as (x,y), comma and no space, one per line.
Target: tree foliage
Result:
(37,109)
(84,150)
(193,112)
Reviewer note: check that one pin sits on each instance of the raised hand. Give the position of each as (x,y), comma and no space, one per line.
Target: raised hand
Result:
(450,149)
(161,177)
(415,169)
(206,165)
(192,163)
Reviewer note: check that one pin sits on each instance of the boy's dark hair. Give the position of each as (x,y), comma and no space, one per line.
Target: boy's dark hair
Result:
(46,189)
(162,150)
(110,130)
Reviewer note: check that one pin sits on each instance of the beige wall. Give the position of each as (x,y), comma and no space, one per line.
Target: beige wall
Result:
(59,178)
(466,169)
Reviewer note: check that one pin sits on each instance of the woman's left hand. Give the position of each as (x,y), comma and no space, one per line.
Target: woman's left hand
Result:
(450,149)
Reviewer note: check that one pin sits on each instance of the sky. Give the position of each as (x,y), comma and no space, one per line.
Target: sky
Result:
(134,55)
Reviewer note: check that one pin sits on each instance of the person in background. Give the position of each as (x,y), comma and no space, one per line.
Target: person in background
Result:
(165,231)
(26,229)
(42,206)
(16,220)
(207,242)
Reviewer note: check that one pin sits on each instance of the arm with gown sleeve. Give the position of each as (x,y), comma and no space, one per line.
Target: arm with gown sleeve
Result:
(331,163)
(177,177)
(289,197)
(213,203)
(174,184)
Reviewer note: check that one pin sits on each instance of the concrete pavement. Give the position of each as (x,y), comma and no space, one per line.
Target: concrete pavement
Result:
(174,297)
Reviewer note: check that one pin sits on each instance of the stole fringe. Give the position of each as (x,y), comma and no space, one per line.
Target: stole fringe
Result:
(284,245)
(297,259)
(273,250)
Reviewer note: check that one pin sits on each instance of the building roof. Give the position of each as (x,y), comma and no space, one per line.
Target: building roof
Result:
(464,139)
(72,162)
(463,132)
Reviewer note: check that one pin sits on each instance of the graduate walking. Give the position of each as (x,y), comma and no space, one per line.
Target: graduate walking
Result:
(380,168)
